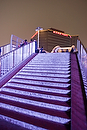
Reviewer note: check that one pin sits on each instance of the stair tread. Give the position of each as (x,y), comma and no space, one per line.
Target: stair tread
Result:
(38,96)
(42,78)
(35,103)
(30,123)
(37,85)
(44,75)
(33,94)
(40,99)
(47,68)
(39,88)
(47,71)
(50,109)
(61,93)
(15,124)
(33,113)
(37,82)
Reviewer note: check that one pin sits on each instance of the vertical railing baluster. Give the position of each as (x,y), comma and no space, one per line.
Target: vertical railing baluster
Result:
(13,58)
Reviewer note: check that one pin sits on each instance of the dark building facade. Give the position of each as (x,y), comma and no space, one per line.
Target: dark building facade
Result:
(52,37)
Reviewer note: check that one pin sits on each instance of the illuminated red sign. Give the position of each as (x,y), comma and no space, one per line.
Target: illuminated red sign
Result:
(61,34)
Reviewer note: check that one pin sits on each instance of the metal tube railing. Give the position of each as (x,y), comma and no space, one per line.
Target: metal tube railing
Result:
(5,49)
(82,57)
(15,41)
(15,57)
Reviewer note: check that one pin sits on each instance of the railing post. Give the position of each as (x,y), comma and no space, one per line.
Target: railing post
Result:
(17,43)
(0,66)
(11,43)
(13,59)
(22,52)
(29,48)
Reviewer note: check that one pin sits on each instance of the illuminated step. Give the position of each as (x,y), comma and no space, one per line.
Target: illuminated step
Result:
(50,63)
(31,87)
(44,74)
(46,108)
(61,56)
(33,94)
(34,103)
(21,123)
(46,67)
(39,92)
(47,71)
(40,83)
(41,66)
(42,78)
(45,96)
(34,114)
(40,99)
(50,60)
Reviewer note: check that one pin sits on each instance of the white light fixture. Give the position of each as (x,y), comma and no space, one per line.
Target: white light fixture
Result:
(38,29)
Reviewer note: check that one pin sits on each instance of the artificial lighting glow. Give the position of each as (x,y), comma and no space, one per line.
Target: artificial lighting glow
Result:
(38,28)
(34,35)
(58,49)
(62,34)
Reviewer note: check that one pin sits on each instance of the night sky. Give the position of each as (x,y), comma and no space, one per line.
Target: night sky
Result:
(22,17)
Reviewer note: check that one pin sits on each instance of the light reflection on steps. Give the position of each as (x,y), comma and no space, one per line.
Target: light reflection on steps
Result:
(35,114)
(45,65)
(40,91)
(42,78)
(35,103)
(20,92)
(45,68)
(40,83)
(62,91)
(47,71)
(21,123)
(44,74)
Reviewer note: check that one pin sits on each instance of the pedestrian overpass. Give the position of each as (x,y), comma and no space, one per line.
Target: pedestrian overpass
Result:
(40,91)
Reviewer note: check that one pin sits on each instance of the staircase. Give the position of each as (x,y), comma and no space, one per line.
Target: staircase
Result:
(38,97)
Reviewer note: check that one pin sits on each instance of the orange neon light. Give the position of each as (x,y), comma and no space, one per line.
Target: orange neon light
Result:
(61,33)
(34,35)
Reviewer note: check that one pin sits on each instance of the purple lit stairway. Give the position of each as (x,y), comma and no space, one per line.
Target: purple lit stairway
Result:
(38,97)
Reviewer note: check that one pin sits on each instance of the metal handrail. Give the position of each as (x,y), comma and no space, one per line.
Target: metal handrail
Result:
(82,54)
(5,49)
(82,57)
(15,57)
(15,41)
